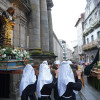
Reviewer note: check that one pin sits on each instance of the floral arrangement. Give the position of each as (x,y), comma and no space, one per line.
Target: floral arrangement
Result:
(16,53)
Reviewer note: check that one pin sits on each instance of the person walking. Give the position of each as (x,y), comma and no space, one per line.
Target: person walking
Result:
(45,82)
(57,66)
(28,82)
(66,82)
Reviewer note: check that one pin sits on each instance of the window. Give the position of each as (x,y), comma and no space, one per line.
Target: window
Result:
(98,34)
(95,14)
(87,40)
(85,25)
(90,20)
(92,38)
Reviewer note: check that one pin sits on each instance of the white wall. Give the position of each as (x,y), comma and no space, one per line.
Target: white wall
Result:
(58,50)
(94,33)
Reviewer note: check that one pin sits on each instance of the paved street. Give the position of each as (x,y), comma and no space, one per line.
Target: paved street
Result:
(78,97)
(88,92)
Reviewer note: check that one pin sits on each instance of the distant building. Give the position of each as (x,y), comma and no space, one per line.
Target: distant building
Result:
(75,54)
(79,27)
(69,54)
(58,49)
(74,43)
(63,43)
(91,29)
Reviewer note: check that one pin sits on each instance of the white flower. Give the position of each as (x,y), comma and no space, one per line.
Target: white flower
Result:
(25,52)
(21,55)
(4,49)
(28,56)
(4,56)
(14,52)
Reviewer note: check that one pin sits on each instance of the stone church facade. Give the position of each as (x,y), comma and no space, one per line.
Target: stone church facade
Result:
(33,27)
(33,30)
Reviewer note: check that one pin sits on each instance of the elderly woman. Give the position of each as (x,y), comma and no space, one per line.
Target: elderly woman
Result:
(66,82)
(45,82)
(28,82)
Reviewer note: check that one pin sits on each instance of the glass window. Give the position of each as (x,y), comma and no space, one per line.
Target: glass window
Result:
(96,14)
(87,40)
(98,34)
(90,20)
(92,38)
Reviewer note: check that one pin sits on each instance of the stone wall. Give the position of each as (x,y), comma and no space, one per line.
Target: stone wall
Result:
(58,50)
(33,30)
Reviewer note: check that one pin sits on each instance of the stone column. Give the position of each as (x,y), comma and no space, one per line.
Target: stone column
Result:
(50,5)
(44,26)
(34,25)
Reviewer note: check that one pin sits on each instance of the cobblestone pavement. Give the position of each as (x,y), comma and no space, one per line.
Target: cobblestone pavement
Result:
(78,97)
(88,92)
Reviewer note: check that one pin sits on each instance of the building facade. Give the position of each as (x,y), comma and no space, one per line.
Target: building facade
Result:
(79,29)
(69,54)
(33,30)
(75,54)
(58,49)
(64,46)
(91,29)
(33,27)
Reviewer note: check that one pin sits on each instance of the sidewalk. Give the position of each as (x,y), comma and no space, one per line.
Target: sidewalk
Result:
(88,92)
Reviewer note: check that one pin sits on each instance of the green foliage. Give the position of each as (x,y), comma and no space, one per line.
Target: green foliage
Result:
(36,52)
(48,53)
(39,52)
(97,66)
(37,49)
(8,50)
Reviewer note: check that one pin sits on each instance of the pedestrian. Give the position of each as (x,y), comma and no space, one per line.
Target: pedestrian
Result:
(57,65)
(28,82)
(80,67)
(73,67)
(66,82)
(45,82)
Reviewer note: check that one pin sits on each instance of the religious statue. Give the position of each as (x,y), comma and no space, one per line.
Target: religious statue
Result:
(6,27)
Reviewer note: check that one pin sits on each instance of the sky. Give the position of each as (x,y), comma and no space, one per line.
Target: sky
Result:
(65,14)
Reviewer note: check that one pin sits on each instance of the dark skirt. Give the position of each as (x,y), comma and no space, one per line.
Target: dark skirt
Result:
(29,92)
(45,98)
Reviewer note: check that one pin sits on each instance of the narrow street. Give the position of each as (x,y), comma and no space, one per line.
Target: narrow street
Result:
(88,92)
(78,97)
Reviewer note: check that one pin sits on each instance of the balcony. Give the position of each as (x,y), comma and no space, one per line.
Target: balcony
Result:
(91,27)
(90,45)
(86,31)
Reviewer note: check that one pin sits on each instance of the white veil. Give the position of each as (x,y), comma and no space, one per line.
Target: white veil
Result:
(28,77)
(65,76)
(44,77)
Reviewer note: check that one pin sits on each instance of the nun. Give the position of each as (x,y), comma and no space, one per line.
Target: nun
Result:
(66,82)
(28,82)
(45,82)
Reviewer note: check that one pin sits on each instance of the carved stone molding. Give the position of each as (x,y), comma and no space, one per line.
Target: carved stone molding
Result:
(49,4)
(22,4)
